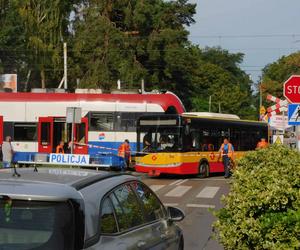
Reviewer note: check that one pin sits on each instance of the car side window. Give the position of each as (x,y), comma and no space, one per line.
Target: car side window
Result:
(153,208)
(128,210)
(108,222)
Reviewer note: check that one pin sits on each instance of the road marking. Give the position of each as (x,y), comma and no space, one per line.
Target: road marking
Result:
(178,191)
(181,182)
(155,188)
(208,179)
(175,182)
(171,204)
(200,205)
(208,192)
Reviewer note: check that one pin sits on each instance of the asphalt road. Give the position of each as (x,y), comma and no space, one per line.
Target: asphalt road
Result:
(195,197)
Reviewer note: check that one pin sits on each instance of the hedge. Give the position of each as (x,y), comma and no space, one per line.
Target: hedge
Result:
(262,209)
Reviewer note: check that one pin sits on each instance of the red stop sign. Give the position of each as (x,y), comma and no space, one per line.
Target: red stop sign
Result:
(291,89)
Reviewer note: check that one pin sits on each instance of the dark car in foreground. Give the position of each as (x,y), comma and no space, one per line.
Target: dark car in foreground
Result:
(66,209)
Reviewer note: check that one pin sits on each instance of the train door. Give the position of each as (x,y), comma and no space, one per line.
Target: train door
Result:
(81,137)
(61,132)
(45,135)
(1,130)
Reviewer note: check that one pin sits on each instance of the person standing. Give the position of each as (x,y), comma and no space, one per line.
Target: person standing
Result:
(262,144)
(7,152)
(226,151)
(124,152)
(147,142)
(60,148)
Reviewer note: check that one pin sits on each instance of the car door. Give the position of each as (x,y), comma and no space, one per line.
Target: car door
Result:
(164,232)
(126,227)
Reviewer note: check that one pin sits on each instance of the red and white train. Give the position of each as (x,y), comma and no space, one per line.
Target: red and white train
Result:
(37,121)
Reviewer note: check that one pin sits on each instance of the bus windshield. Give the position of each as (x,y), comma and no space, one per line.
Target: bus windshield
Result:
(160,135)
(36,225)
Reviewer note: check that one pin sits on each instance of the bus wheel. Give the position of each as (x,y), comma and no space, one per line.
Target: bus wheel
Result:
(203,171)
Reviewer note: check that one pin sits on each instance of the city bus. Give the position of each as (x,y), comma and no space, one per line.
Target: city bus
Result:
(189,143)
(37,121)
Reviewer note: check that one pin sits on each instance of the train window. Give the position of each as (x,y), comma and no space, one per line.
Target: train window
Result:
(128,122)
(8,129)
(80,133)
(25,132)
(101,121)
(45,133)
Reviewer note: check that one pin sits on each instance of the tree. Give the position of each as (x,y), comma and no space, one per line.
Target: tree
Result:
(275,74)
(128,40)
(46,27)
(12,47)
(218,76)
(131,40)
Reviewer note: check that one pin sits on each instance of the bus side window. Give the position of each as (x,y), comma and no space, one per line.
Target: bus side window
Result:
(188,142)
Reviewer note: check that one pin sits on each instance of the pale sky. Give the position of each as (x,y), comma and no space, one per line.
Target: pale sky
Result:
(263,30)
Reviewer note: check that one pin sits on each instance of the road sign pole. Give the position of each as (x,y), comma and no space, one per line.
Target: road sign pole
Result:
(298,137)
(283,123)
(72,135)
(73,117)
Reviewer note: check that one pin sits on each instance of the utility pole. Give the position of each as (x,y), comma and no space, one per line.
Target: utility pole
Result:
(209,104)
(119,84)
(143,86)
(65,67)
(260,95)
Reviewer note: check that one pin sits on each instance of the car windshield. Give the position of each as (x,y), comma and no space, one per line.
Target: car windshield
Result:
(35,225)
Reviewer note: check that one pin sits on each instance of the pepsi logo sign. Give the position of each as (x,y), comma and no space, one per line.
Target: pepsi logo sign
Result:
(101,136)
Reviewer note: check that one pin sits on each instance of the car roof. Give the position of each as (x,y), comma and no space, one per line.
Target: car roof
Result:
(53,175)
(50,183)
(87,187)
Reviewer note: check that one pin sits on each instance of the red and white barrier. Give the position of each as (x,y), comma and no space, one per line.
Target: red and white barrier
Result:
(282,103)
(277,111)
(280,106)
(273,98)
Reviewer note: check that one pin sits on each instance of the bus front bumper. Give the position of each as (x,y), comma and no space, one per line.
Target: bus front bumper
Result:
(178,169)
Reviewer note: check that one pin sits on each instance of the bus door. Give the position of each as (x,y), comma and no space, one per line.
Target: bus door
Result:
(1,130)
(81,137)
(45,135)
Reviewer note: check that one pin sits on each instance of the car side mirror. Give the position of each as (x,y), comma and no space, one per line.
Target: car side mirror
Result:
(176,214)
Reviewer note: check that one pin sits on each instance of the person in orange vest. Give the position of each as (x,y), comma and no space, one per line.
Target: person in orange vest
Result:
(124,152)
(262,144)
(226,152)
(60,148)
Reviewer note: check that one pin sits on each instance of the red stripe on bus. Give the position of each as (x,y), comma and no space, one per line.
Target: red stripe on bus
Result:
(184,168)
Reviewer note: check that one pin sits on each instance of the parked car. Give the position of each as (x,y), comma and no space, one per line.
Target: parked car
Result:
(81,209)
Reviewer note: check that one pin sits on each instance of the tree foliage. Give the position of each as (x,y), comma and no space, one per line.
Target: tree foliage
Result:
(275,74)
(262,210)
(45,25)
(218,76)
(131,40)
(12,47)
(128,40)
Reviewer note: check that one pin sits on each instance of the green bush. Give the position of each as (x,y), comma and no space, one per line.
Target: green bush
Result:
(262,209)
